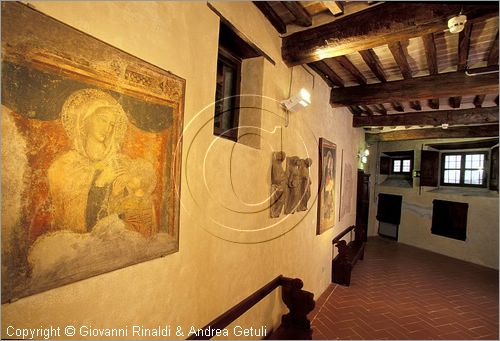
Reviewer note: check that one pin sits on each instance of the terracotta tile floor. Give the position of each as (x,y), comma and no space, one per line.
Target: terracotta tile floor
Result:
(402,292)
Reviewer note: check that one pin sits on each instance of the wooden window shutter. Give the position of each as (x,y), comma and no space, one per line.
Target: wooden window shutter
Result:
(429,168)
(385,165)
(494,169)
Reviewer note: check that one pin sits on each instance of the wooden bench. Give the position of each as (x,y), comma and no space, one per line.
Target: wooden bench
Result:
(294,325)
(348,255)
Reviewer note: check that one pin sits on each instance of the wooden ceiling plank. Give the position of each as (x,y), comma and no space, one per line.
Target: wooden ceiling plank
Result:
(345,63)
(440,85)
(490,130)
(327,73)
(271,15)
(378,25)
(302,18)
(371,59)
(434,118)
(335,7)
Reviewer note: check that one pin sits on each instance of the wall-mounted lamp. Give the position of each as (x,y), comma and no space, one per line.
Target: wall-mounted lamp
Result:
(363,156)
(294,103)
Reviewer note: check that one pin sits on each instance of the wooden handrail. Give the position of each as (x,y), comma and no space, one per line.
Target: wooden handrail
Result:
(342,234)
(292,295)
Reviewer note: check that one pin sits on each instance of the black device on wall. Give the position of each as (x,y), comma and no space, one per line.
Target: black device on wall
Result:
(389,214)
(449,219)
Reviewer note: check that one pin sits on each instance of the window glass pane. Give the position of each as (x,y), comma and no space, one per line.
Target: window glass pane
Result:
(397,166)
(474,161)
(452,176)
(225,90)
(473,177)
(452,161)
(406,166)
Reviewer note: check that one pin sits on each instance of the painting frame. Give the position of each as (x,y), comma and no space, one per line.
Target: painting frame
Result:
(326,185)
(62,86)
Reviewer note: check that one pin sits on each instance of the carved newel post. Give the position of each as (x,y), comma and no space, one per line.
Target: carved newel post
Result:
(305,183)
(278,184)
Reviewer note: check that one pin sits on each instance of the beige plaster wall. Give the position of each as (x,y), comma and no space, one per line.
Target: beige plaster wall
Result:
(229,247)
(481,244)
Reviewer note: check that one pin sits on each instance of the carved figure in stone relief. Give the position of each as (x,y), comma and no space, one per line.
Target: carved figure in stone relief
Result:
(293,185)
(94,179)
(278,184)
(305,183)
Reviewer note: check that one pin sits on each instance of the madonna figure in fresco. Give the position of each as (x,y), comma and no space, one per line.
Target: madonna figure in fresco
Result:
(94,179)
(328,182)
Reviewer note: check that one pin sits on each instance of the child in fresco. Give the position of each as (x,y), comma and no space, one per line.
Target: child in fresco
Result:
(94,180)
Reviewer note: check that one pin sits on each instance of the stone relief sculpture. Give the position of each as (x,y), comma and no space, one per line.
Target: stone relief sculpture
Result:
(290,189)
(305,183)
(293,185)
(278,184)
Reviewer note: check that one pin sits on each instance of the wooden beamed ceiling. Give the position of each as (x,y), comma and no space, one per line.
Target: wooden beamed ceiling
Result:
(385,61)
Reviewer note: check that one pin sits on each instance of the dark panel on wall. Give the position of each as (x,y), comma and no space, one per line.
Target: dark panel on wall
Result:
(449,219)
(429,168)
(389,208)
(494,169)
(385,165)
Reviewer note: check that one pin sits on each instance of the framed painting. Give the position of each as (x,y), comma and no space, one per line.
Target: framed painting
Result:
(326,191)
(91,155)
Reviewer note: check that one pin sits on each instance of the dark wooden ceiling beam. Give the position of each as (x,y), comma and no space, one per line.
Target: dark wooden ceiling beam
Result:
(490,130)
(493,55)
(478,101)
(415,105)
(373,63)
(271,15)
(399,55)
(492,60)
(371,59)
(327,73)
(431,56)
(347,65)
(463,54)
(302,18)
(440,85)
(335,7)
(397,106)
(381,109)
(434,118)
(355,110)
(378,25)
(367,110)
